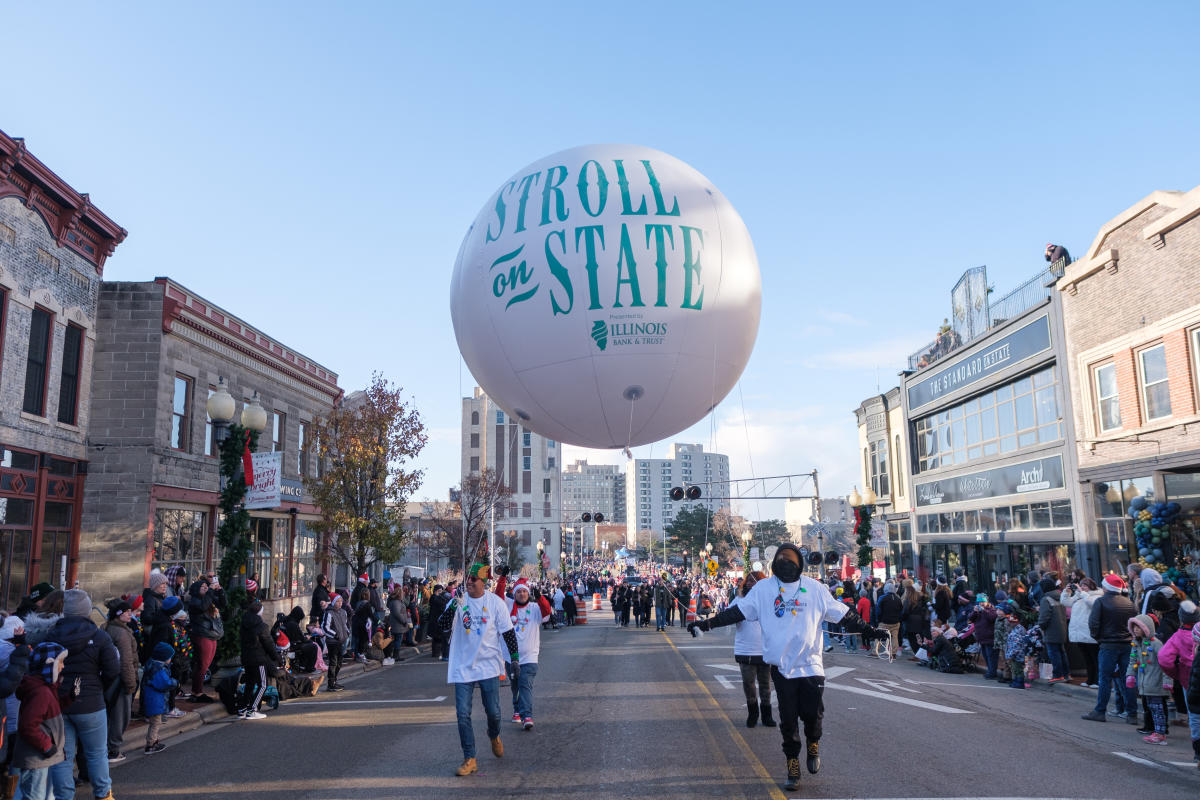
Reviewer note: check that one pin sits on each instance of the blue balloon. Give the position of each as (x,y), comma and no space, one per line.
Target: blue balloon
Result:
(1157,553)
(1138,503)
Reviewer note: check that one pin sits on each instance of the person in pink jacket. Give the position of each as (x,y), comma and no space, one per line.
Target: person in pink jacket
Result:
(1176,655)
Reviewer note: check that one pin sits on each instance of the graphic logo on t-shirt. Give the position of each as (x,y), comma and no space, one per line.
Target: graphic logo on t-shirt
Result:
(784,605)
(521,620)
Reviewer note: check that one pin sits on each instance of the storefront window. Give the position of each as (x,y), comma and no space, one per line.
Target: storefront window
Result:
(16,531)
(1113,524)
(1019,414)
(179,538)
(304,568)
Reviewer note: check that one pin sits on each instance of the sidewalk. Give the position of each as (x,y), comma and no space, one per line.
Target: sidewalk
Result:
(197,714)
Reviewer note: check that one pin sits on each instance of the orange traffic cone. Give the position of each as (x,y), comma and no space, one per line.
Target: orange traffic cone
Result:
(581,613)
(596,601)
(691,612)
(610,593)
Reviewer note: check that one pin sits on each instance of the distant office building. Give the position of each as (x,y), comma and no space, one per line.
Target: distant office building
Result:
(649,482)
(592,488)
(836,522)
(528,464)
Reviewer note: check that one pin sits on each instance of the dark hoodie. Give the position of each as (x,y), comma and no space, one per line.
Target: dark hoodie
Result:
(293,628)
(1052,617)
(258,649)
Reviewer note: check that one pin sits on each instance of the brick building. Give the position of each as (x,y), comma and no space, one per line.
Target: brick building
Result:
(53,245)
(151,499)
(1132,310)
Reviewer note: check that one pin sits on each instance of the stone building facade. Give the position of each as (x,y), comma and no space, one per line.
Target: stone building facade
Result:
(883,444)
(53,246)
(152,496)
(1131,307)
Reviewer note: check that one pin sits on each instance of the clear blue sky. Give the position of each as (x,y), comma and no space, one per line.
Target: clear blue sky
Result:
(313,167)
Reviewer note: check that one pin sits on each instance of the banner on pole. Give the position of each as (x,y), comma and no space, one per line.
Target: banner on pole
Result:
(268,472)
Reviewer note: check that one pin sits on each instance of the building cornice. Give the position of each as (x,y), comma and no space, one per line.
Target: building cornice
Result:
(73,220)
(184,307)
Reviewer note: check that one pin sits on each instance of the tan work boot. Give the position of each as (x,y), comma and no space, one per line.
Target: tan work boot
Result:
(497,747)
(467,767)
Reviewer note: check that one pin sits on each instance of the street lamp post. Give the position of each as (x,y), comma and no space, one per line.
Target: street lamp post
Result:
(864,508)
(541,546)
(747,536)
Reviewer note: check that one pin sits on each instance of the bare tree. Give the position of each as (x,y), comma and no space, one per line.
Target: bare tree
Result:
(463,525)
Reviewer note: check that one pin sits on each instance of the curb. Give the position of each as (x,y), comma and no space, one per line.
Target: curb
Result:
(199,714)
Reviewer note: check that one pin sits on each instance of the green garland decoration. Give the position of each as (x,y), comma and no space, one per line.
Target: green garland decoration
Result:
(862,527)
(234,537)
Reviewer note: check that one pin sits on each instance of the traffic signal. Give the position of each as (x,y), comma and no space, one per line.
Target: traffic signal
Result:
(598,517)
(693,493)
(677,493)
(587,516)
(831,557)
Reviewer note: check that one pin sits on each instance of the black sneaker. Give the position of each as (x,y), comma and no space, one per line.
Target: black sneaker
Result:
(814,757)
(793,776)
(157,747)
(116,758)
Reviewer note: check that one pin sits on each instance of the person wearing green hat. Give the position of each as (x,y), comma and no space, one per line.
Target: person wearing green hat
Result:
(481,633)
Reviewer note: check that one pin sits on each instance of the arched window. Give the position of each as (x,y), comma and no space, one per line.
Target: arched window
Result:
(474,417)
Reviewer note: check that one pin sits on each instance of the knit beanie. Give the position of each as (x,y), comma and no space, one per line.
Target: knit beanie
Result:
(76,603)
(171,604)
(1113,583)
(156,579)
(9,628)
(162,652)
(47,660)
(1150,578)
(1189,613)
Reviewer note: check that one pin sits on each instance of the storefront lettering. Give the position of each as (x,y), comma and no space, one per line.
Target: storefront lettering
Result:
(1031,476)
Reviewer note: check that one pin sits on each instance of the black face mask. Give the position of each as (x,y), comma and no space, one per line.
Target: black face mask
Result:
(786,571)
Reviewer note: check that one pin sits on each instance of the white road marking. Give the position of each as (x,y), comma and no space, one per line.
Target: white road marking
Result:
(1143,761)
(897,699)
(836,672)
(1190,764)
(963,798)
(290,704)
(732,667)
(951,683)
(703,646)
(886,686)
(728,682)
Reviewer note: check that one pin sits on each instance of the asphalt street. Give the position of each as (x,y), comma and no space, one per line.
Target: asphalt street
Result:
(635,713)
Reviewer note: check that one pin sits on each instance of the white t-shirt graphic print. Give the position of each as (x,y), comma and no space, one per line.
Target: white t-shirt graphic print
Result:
(527,620)
(477,649)
(790,616)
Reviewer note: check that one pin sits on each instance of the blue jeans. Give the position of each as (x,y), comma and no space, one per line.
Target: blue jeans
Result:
(660,617)
(464,693)
(989,658)
(1058,658)
(1113,663)
(522,689)
(35,784)
(88,733)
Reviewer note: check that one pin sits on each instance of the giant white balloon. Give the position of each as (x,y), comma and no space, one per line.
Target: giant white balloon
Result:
(608,295)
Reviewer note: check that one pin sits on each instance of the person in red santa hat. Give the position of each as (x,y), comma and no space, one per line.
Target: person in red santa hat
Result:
(527,617)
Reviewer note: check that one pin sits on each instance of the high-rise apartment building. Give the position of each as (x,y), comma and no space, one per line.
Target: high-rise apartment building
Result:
(649,481)
(528,464)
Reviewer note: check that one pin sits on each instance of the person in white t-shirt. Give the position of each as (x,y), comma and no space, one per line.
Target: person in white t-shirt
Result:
(790,608)
(527,616)
(747,652)
(482,633)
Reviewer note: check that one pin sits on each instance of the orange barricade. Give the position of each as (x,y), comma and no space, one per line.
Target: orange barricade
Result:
(596,602)
(691,612)
(610,593)
(581,613)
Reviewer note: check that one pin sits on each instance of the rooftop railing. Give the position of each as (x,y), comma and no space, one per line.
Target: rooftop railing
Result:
(1029,294)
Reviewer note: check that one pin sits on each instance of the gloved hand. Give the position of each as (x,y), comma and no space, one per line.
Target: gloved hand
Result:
(701,626)
(50,752)
(18,638)
(1131,682)
(502,570)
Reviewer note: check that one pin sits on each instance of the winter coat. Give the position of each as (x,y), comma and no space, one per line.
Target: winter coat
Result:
(92,657)
(1143,665)
(156,625)
(1164,605)
(1052,618)
(198,606)
(258,649)
(916,615)
(984,618)
(1016,645)
(376,600)
(1110,616)
(891,609)
(437,605)
(156,682)
(14,663)
(320,594)
(1193,685)
(1000,637)
(336,625)
(1080,604)
(37,627)
(943,603)
(398,619)
(41,727)
(122,639)
(1175,657)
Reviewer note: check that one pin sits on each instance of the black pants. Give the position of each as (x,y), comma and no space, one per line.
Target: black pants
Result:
(1091,656)
(438,646)
(800,700)
(759,674)
(333,660)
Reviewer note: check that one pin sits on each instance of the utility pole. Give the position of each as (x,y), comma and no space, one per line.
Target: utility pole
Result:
(820,527)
